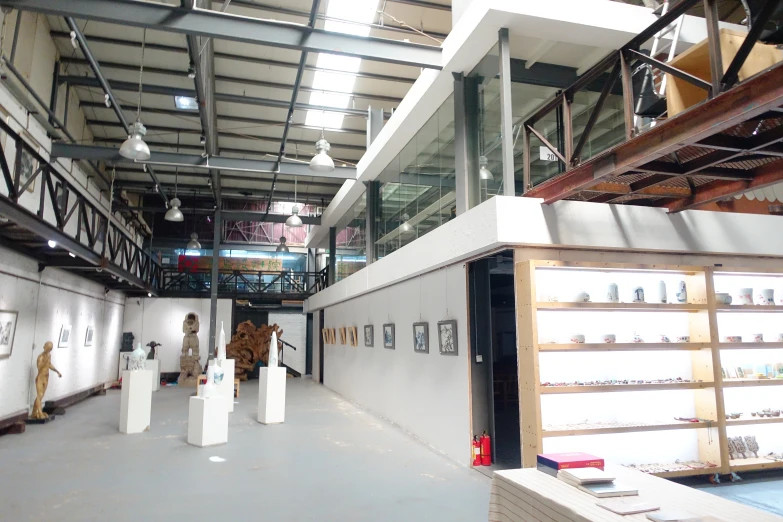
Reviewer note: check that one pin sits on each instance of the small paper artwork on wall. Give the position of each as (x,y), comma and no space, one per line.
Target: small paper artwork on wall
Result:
(388,336)
(325,335)
(447,337)
(7,331)
(369,335)
(343,336)
(353,336)
(88,336)
(332,336)
(421,337)
(65,336)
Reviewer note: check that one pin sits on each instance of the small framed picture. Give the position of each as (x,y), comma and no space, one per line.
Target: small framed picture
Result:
(325,335)
(88,336)
(343,335)
(65,336)
(388,336)
(7,332)
(353,336)
(447,337)
(369,336)
(332,336)
(421,337)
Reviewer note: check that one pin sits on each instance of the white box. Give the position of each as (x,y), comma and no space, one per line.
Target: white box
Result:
(271,395)
(226,387)
(207,421)
(153,365)
(136,401)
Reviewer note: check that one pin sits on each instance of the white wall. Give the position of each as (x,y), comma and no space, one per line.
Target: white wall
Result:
(294,325)
(45,303)
(160,320)
(425,394)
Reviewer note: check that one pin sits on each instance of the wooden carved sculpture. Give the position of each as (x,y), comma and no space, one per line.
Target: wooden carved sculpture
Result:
(189,360)
(42,380)
(250,345)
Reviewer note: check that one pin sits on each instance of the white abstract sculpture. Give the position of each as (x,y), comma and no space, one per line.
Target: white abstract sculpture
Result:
(137,359)
(273,352)
(221,351)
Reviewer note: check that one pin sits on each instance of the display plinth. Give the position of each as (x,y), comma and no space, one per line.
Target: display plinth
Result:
(271,395)
(136,401)
(153,365)
(207,421)
(226,387)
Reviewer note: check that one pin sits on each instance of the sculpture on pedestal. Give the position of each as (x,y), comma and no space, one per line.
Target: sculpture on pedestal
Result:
(137,359)
(189,361)
(250,345)
(153,345)
(44,364)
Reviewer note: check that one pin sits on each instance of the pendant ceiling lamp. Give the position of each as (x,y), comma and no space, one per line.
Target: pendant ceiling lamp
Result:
(294,220)
(484,173)
(193,244)
(135,148)
(174,213)
(321,162)
(406,226)
(282,247)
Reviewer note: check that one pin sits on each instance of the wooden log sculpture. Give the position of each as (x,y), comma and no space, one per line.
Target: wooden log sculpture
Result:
(250,345)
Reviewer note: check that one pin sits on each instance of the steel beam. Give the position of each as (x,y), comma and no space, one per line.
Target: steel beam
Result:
(111,155)
(225,26)
(260,217)
(332,255)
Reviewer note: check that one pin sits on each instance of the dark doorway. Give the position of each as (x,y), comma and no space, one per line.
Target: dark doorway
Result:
(321,349)
(309,346)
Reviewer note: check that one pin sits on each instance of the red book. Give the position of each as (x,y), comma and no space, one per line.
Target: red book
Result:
(558,461)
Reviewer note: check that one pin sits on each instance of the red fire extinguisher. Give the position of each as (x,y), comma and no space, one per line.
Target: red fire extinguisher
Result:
(486,450)
(476,451)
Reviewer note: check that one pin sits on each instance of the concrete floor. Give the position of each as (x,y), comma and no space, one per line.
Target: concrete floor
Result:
(761,490)
(330,461)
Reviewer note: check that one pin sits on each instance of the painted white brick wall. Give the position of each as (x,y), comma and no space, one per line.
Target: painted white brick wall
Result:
(294,325)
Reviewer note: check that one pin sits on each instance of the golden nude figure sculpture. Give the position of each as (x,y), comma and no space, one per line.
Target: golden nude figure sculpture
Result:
(42,380)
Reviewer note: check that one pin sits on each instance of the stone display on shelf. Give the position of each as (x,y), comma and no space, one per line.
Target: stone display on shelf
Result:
(44,364)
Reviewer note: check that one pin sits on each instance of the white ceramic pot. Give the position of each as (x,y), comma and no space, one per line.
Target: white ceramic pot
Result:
(578,338)
(582,297)
(662,292)
(746,296)
(682,292)
(758,338)
(723,298)
(765,297)
(638,294)
(612,293)
(610,338)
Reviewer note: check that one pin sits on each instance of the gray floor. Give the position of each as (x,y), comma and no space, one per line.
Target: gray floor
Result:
(330,461)
(762,490)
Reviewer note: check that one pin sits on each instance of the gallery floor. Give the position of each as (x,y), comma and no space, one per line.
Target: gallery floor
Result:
(330,461)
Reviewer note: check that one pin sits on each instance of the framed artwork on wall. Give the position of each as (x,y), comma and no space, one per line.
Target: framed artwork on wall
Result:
(88,336)
(353,336)
(332,336)
(65,336)
(342,335)
(447,337)
(388,336)
(369,335)
(7,331)
(325,335)
(421,337)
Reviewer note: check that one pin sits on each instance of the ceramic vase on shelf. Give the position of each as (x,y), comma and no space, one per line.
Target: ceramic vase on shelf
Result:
(682,293)
(746,296)
(582,297)
(612,293)
(662,292)
(766,297)
(638,294)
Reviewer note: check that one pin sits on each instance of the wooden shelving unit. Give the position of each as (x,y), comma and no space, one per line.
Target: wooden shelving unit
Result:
(704,349)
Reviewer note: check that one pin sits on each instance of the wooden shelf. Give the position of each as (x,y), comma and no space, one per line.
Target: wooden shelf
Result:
(750,346)
(607,388)
(687,472)
(674,307)
(626,429)
(754,464)
(750,308)
(748,383)
(742,421)
(621,347)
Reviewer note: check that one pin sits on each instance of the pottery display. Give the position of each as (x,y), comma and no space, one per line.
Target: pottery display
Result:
(723,298)
(684,339)
(732,339)
(662,292)
(780,337)
(682,293)
(612,293)
(578,338)
(638,294)
(637,338)
(218,373)
(582,297)
(137,359)
(664,339)
(765,297)
(758,338)
(610,338)
(746,296)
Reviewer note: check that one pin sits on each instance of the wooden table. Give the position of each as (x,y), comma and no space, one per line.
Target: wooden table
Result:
(536,496)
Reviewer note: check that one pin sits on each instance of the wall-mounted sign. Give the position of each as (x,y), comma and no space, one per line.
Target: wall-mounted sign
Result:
(195,263)
(546,154)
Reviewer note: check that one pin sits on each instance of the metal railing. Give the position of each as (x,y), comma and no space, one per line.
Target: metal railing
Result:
(284,284)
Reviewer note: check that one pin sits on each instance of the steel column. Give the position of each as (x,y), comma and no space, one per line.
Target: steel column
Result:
(372,214)
(713,45)
(465,143)
(374,124)
(215,276)
(506,114)
(332,255)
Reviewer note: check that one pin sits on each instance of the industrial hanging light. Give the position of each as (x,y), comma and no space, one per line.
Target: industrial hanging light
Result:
(282,247)
(294,220)
(174,213)
(193,244)
(484,173)
(134,148)
(321,162)
(406,226)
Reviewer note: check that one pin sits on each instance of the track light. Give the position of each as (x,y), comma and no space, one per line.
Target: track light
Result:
(282,247)
(193,244)
(107,101)
(191,71)
(134,148)
(321,162)
(149,294)
(74,43)
(484,173)
(406,226)
(51,243)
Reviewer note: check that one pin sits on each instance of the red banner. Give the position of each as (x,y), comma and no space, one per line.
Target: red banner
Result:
(196,263)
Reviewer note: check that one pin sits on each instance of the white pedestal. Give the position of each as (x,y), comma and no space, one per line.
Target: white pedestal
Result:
(136,401)
(153,365)
(271,395)
(226,388)
(207,421)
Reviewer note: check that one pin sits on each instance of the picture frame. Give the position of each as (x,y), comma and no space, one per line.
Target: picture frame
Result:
(353,336)
(65,336)
(332,338)
(447,337)
(421,337)
(27,168)
(88,336)
(369,336)
(388,336)
(343,335)
(325,335)
(8,320)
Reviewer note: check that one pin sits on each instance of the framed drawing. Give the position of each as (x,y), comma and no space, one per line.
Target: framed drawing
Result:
(88,336)
(388,336)
(353,336)
(369,335)
(65,336)
(7,331)
(26,170)
(325,335)
(447,337)
(332,336)
(343,336)
(421,337)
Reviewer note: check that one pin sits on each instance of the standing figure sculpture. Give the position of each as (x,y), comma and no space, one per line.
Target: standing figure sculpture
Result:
(189,360)
(42,380)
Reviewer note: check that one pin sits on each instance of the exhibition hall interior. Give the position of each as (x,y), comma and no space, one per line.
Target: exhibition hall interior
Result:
(392,260)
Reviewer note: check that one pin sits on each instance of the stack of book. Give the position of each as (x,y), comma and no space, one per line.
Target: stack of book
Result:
(551,463)
(595,482)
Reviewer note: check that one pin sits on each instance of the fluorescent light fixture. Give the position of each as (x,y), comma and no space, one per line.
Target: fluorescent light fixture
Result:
(186,103)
